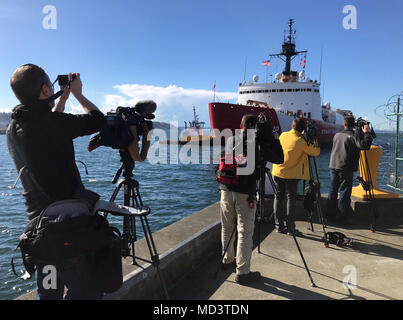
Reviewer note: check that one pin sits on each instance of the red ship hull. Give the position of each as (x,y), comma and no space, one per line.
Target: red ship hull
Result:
(228,116)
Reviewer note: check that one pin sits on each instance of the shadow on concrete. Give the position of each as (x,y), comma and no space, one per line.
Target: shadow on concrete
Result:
(374,239)
(201,283)
(286,291)
(349,296)
(378,250)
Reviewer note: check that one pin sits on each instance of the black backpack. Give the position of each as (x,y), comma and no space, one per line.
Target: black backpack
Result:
(52,239)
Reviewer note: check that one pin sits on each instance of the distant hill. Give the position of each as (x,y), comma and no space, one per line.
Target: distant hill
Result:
(5,118)
(161,125)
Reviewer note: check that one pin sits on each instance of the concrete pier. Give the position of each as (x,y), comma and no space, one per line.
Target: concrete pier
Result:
(190,254)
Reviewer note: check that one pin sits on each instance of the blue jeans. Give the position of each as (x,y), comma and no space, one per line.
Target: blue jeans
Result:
(341,181)
(75,274)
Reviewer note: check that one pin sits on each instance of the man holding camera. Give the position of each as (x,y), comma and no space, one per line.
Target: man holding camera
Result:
(344,158)
(41,145)
(287,175)
(238,204)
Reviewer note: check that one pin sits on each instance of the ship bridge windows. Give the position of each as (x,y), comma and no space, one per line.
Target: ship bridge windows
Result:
(279,90)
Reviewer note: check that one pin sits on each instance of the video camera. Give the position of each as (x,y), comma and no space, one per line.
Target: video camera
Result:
(117,133)
(360,123)
(264,129)
(311,133)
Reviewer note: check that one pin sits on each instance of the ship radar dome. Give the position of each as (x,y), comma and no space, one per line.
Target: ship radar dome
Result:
(278,76)
(255,78)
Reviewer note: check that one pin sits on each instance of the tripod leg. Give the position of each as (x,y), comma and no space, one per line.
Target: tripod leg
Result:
(321,219)
(225,251)
(303,260)
(370,193)
(153,252)
(319,203)
(259,218)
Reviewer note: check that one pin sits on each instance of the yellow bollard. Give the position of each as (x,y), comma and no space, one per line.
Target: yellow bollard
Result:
(373,156)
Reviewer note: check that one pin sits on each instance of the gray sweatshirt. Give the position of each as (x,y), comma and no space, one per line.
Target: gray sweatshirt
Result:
(346,149)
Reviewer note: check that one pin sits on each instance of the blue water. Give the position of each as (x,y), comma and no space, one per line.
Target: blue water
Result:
(173,191)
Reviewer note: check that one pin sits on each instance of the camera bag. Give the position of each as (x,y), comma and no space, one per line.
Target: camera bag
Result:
(339,239)
(64,230)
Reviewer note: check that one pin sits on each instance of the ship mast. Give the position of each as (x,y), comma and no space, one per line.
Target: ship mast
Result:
(194,114)
(288,49)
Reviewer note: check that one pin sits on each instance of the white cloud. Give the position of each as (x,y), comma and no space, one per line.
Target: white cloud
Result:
(174,103)
(74,109)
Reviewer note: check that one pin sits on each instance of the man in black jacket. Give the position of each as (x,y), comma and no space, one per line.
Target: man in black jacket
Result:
(344,158)
(238,204)
(40,142)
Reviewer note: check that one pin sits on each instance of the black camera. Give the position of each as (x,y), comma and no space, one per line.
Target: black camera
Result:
(264,129)
(117,134)
(360,123)
(63,80)
(311,133)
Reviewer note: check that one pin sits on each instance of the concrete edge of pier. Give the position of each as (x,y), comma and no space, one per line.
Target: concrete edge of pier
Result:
(185,244)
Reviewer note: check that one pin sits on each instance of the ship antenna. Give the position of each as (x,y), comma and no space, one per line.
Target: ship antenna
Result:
(290,25)
(321,60)
(320,76)
(288,49)
(244,72)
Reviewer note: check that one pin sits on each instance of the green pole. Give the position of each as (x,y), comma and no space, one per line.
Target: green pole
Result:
(397,141)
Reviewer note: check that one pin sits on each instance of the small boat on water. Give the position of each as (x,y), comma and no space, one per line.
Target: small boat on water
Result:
(195,127)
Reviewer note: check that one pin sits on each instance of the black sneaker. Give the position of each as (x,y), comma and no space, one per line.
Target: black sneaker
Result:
(281,229)
(228,266)
(248,277)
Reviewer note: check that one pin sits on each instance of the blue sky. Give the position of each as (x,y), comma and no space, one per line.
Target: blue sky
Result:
(174,50)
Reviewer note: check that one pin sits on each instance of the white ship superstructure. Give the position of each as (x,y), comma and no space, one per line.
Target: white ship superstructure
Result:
(290,95)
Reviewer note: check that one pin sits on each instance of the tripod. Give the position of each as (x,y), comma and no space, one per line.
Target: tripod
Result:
(368,186)
(315,186)
(132,198)
(261,184)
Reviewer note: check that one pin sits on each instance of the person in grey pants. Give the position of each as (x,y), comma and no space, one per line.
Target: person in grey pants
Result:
(286,175)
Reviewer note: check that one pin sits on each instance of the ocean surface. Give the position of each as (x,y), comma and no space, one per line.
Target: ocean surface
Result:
(172,191)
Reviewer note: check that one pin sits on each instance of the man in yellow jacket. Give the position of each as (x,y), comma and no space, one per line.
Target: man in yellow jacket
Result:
(287,175)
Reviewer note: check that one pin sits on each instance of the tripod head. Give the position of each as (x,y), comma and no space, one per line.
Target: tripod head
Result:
(127,166)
